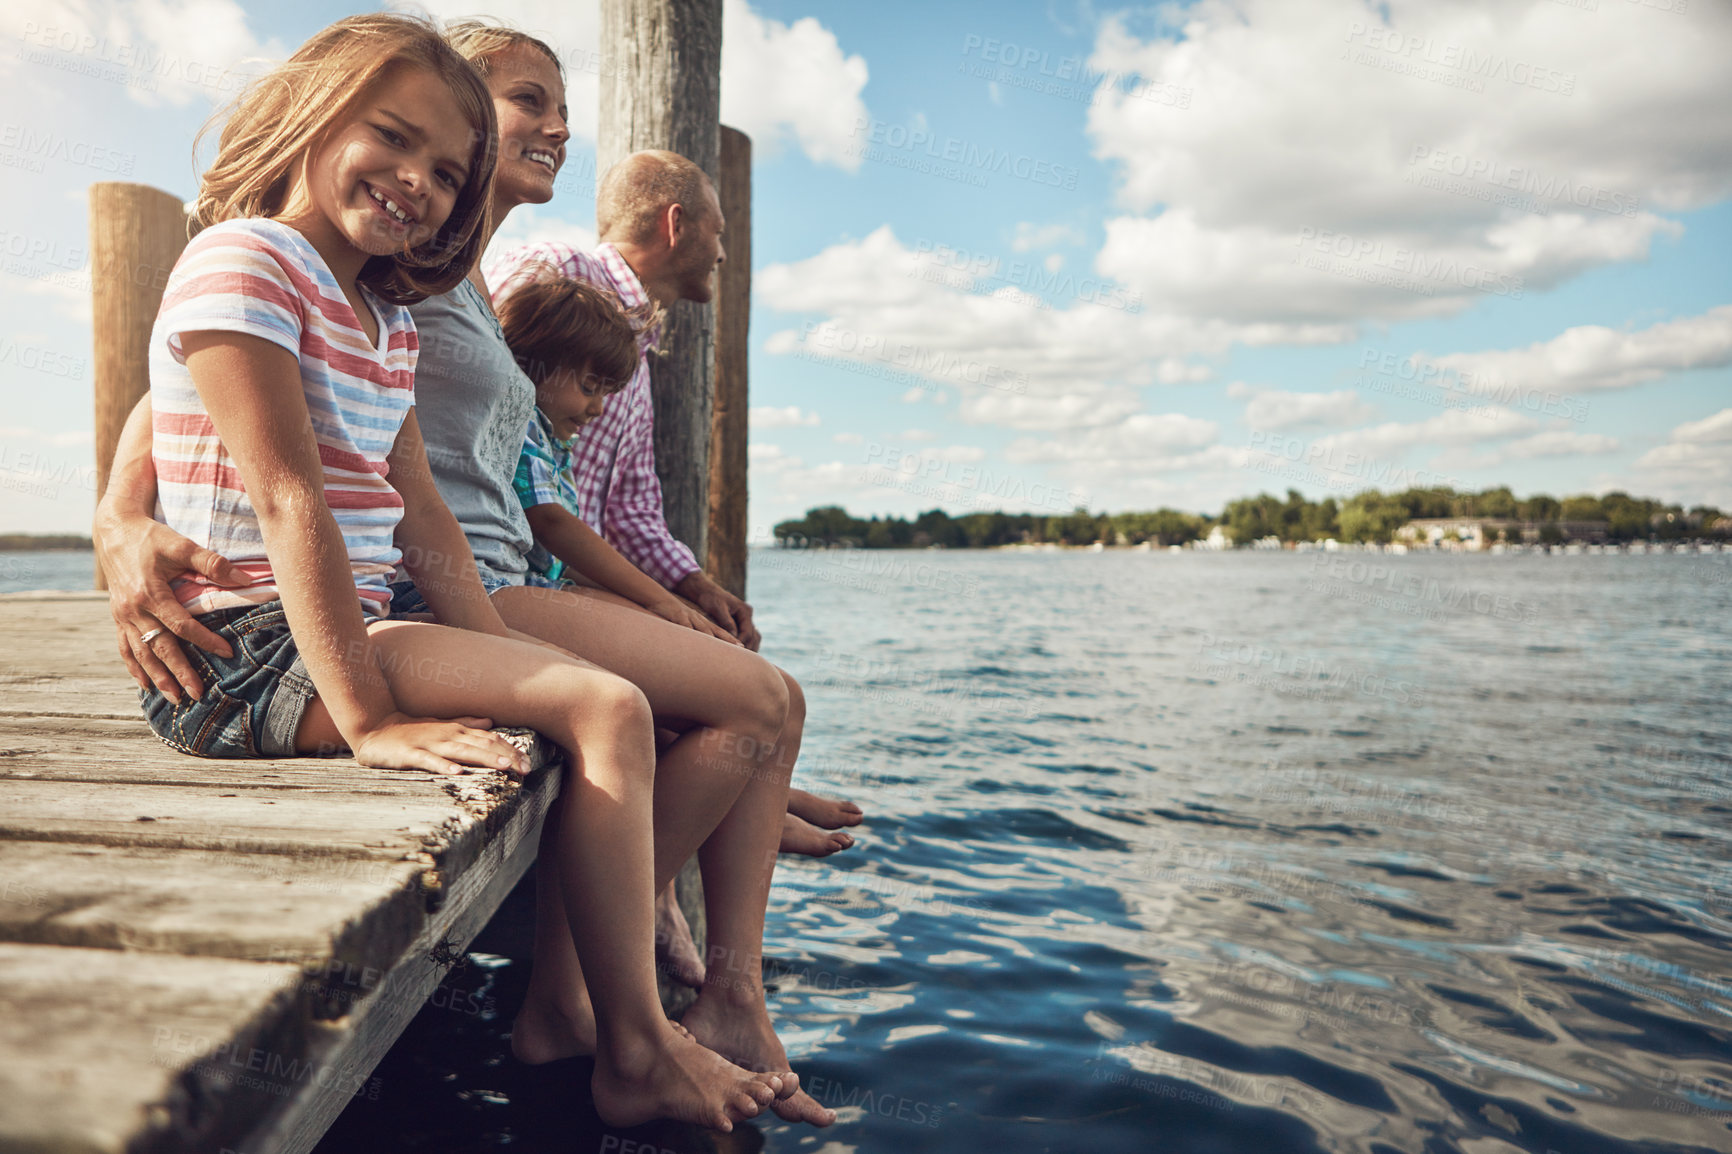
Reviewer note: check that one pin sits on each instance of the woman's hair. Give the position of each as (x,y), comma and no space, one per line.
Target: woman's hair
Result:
(555,323)
(274,126)
(479,41)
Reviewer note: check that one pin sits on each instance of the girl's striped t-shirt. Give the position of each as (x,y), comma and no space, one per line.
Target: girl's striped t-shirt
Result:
(263,278)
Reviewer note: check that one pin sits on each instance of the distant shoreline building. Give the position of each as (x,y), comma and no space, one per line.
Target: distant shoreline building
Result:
(1476,533)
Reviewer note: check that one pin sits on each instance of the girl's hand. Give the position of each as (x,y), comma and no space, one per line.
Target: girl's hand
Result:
(449,747)
(675,610)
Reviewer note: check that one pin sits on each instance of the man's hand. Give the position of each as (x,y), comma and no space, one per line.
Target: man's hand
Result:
(721,606)
(139,556)
(683,613)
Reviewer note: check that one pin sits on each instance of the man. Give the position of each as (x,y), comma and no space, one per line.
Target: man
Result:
(661,227)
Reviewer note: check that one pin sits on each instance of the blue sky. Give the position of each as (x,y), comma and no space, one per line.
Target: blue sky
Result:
(1028,258)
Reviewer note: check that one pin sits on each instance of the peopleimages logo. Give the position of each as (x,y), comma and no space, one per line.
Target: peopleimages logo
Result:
(1396,260)
(970,158)
(1471,63)
(1542,189)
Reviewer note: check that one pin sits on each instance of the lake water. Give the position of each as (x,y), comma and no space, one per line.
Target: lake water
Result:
(43,569)
(1195,852)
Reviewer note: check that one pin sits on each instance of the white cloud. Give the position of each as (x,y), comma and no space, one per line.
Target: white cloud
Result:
(1030,236)
(1453,427)
(919,435)
(58,440)
(1715,430)
(1013,363)
(762,456)
(1693,466)
(1140,441)
(572,30)
(779,82)
(1552,443)
(1283,134)
(1591,357)
(848,438)
(782,81)
(770,417)
(1559,443)
(527,225)
(158,52)
(1272,409)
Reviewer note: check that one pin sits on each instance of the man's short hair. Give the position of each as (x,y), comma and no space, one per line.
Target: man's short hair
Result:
(636,192)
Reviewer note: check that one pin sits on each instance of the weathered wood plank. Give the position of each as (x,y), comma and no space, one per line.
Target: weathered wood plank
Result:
(359,1041)
(306,910)
(60,657)
(109,1052)
(368,883)
(123,750)
(275,819)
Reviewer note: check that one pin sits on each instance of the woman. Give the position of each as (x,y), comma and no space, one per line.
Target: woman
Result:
(474,405)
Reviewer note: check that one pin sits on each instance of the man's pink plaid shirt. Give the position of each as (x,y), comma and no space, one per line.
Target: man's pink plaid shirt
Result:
(613,459)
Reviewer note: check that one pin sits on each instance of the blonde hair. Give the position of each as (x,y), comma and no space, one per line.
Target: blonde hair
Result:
(479,41)
(638,190)
(275,124)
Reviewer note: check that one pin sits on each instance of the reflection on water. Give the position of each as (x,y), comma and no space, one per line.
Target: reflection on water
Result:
(1220,853)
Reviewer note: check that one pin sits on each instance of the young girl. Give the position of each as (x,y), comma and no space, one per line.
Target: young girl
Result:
(349,183)
(577,345)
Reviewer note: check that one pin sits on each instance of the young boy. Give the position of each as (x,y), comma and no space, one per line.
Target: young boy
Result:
(574,342)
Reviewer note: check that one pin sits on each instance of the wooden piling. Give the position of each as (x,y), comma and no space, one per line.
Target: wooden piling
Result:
(136,234)
(661,87)
(726,560)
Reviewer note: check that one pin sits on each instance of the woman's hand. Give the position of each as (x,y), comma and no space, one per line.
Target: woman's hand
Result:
(139,557)
(448,747)
(681,613)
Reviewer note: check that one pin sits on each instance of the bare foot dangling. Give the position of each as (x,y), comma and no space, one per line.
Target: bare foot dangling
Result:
(543,1032)
(743,1033)
(802,837)
(824,812)
(671,1076)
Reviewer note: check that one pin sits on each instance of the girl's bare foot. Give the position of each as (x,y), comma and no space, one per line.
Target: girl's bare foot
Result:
(824,812)
(546,1032)
(679,953)
(669,1075)
(740,1029)
(802,837)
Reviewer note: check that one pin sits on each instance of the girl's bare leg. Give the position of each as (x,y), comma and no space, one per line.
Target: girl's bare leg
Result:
(603,857)
(809,814)
(722,785)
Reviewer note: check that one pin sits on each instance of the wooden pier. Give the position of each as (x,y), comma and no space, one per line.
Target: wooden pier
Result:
(203,955)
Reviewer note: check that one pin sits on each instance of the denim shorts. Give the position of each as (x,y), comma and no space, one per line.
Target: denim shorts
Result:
(253,702)
(406,599)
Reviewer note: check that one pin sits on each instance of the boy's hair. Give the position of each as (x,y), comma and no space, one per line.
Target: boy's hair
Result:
(275,124)
(479,41)
(555,323)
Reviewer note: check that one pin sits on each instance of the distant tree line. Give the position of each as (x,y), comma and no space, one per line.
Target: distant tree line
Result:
(1368,517)
(26,542)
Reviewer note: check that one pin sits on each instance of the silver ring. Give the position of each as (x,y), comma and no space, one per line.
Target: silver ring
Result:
(147,638)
